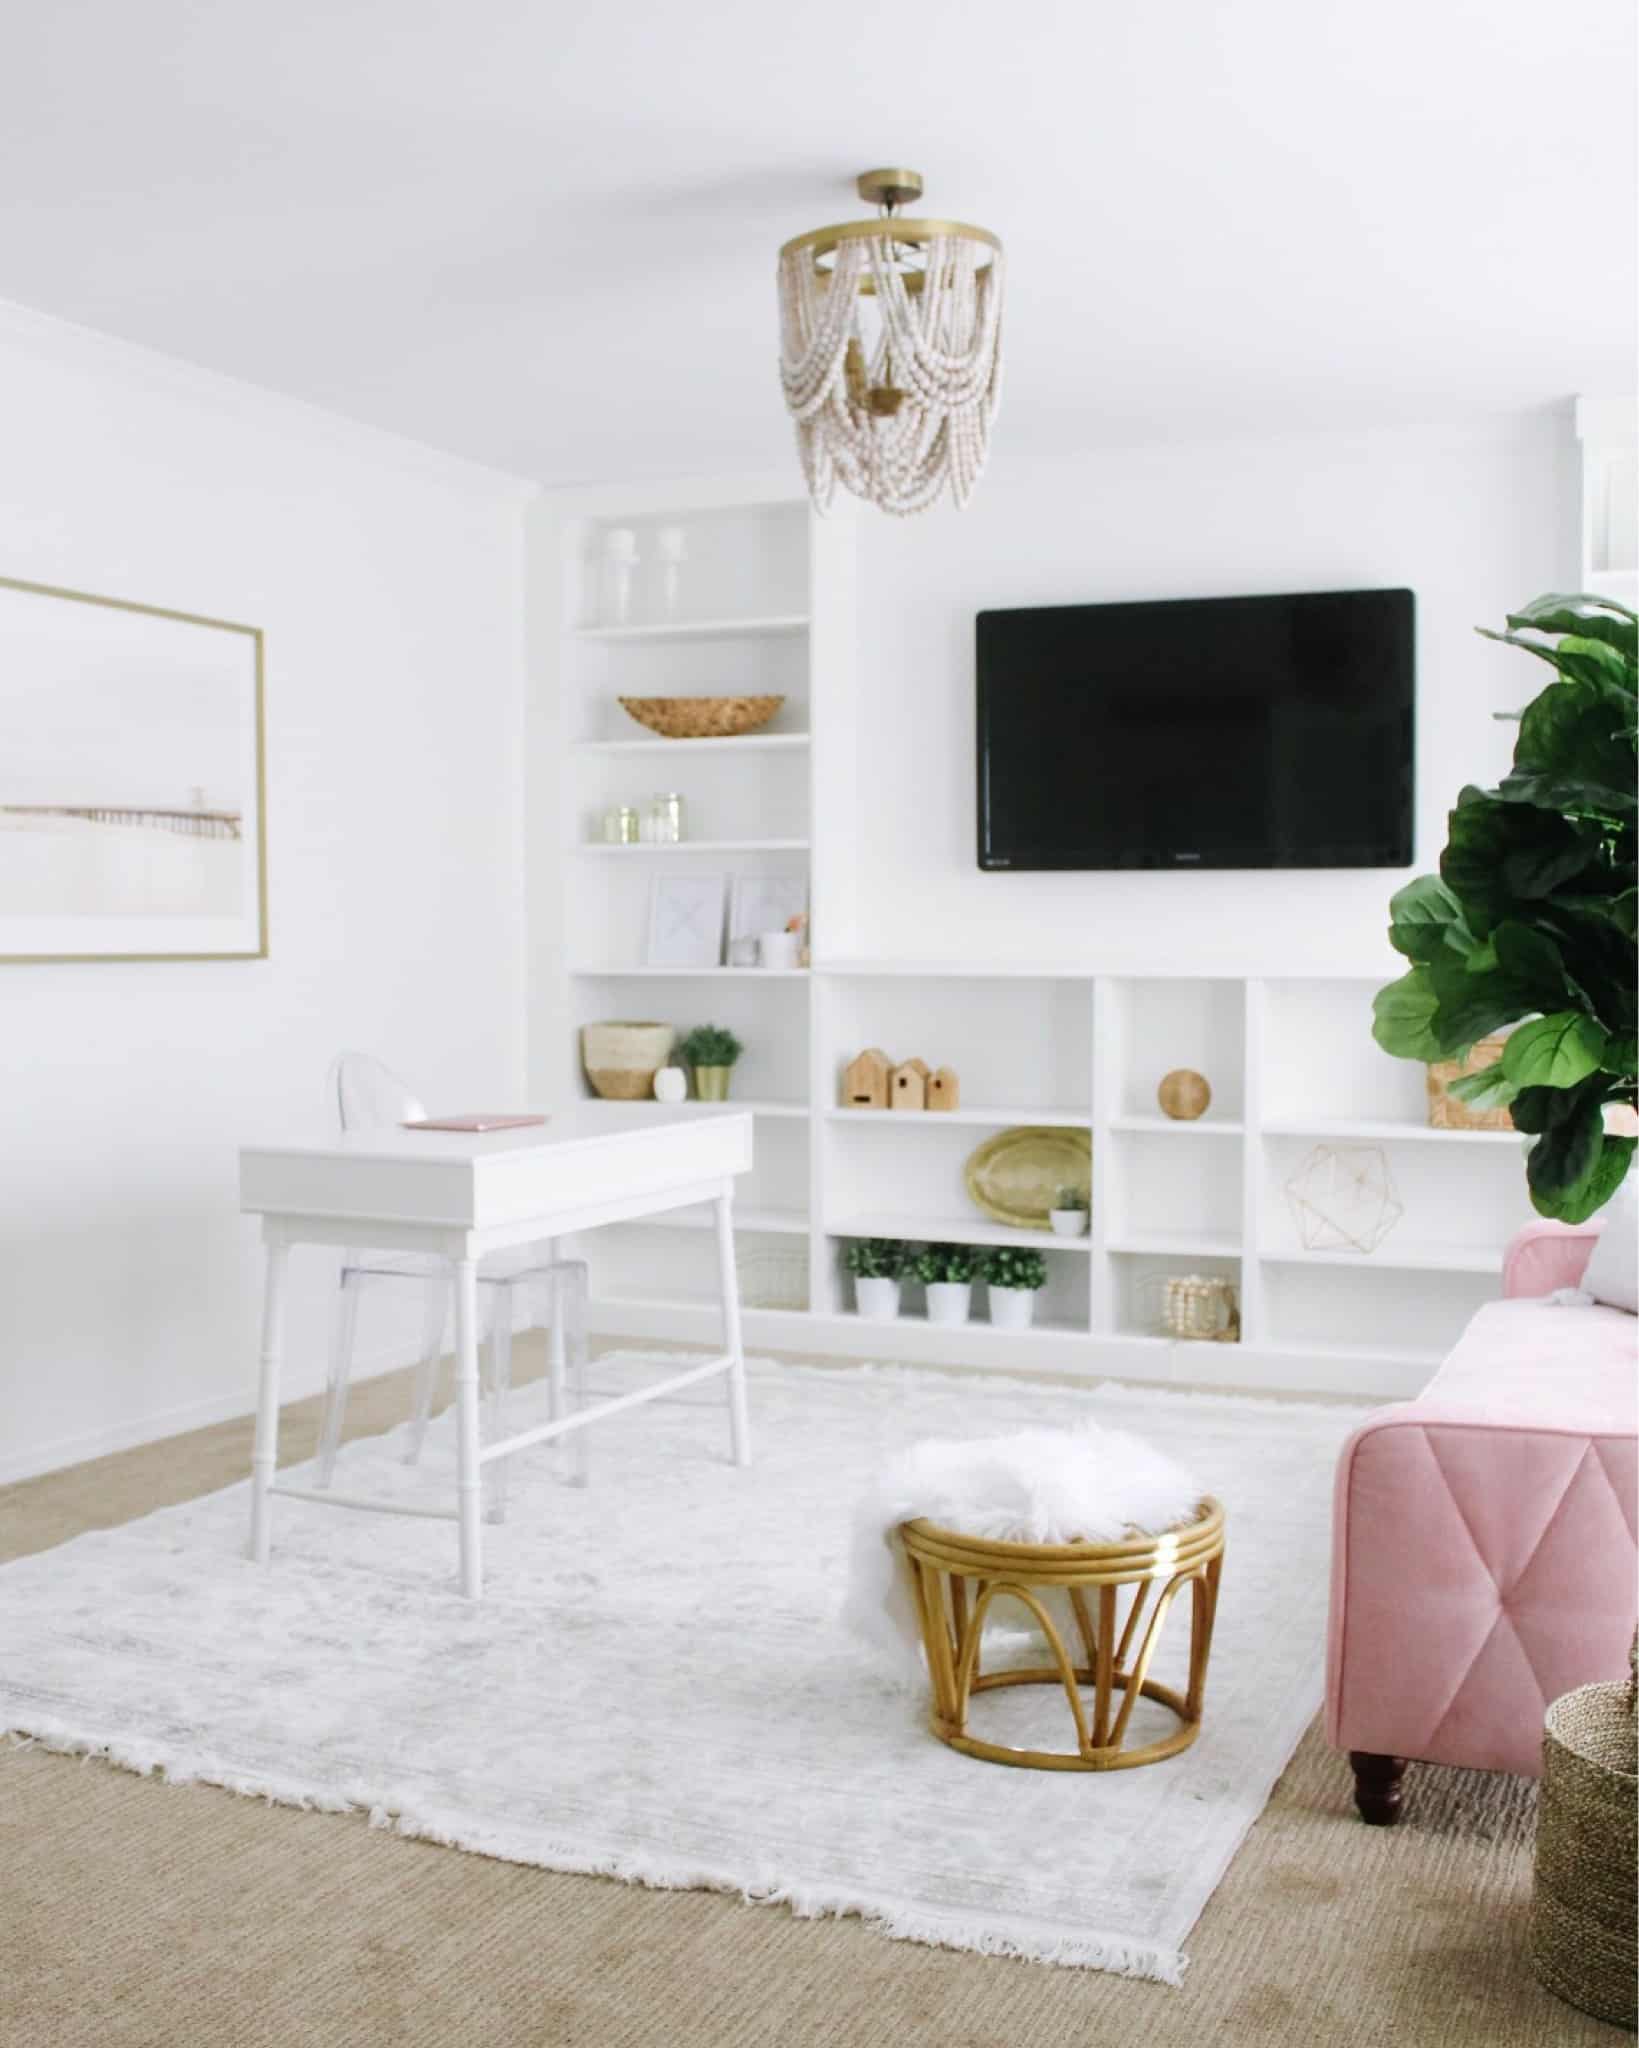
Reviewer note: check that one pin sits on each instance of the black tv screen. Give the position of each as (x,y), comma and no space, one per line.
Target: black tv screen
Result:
(1238,732)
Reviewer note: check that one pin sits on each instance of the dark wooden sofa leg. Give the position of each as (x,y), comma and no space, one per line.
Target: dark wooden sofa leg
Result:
(1377,1786)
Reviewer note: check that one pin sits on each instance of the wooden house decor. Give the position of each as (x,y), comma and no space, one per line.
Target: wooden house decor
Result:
(910,1085)
(944,1090)
(865,1080)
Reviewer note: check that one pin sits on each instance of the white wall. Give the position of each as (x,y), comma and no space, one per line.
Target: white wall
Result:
(1475,520)
(389,586)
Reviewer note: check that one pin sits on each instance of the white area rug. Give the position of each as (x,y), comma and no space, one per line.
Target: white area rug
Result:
(656,1685)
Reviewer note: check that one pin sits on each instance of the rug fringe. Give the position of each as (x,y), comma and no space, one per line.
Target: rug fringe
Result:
(1118,1955)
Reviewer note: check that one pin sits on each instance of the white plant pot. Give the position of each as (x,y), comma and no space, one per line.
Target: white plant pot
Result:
(1069,1222)
(878,1300)
(1012,1308)
(949,1300)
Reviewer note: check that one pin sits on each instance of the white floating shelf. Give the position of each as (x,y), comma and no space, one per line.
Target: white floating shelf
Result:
(1449,1258)
(952,1230)
(690,973)
(602,846)
(1070,1119)
(1381,1130)
(743,743)
(698,629)
(1170,1244)
(1202,1126)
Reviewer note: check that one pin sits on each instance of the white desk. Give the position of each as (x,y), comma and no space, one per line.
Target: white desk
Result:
(460,1196)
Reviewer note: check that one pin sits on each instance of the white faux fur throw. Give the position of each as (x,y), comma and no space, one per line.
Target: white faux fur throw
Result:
(1089,1484)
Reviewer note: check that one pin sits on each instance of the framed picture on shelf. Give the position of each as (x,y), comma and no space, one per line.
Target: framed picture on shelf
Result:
(765,903)
(131,781)
(686,920)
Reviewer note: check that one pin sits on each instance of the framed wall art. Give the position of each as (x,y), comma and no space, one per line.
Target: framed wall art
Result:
(686,920)
(132,781)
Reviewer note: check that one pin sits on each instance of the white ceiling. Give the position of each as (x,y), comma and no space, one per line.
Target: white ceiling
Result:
(543,236)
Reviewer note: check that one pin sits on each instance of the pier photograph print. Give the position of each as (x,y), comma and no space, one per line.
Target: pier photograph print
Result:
(131,781)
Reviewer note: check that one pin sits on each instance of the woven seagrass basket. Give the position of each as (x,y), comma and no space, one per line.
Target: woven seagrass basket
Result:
(1582,1936)
(1445,1111)
(702,718)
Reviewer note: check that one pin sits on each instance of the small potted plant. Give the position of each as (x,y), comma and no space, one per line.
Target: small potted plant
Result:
(946,1271)
(1070,1212)
(876,1264)
(711,1050)
(1014,1277)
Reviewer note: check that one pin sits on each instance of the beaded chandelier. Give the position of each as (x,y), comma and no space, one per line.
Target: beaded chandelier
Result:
(890,351)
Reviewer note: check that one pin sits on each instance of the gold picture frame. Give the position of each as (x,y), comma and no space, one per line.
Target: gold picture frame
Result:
(177,875)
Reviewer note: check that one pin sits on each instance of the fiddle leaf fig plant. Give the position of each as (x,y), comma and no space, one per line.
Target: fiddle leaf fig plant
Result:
(1531,919)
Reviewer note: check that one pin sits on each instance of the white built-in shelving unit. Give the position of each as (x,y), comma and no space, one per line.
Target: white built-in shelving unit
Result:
(766,604)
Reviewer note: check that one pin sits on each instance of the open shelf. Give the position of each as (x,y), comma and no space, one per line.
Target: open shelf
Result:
(1370,1130)
(690,973)
(743,743)
(696,629)
(1042,1326)
(1428,1258)
(633,852)
(1202,1126)
(1068,1119)
(1170,1244)
(952,1230)
(754,1106)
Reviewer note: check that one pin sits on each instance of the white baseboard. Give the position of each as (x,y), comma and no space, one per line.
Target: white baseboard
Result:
(137,1430)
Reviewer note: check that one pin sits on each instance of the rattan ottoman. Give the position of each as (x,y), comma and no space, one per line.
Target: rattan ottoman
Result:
(958,1579)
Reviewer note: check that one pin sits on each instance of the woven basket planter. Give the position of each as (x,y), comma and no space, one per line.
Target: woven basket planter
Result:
(1445,1111)
(1582,1937)
(622,1059)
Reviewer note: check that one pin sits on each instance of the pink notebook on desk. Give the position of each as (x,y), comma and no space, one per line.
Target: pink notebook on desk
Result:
(476,1122)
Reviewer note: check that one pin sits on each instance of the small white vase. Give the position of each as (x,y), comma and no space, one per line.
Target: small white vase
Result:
(1068,1222)
(778,949)
(671,1084)
(878,1300)
(1012,1308)
(949,1300)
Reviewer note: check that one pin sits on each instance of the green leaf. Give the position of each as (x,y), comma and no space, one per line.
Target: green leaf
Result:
(1554,1052)
(1563,1160)
(1532,959)
(1621,1053)
(1469,1004)
(1402,1017)
(1496,852)
(1490,1088)
(1609,1165)
(1592,618)
(1424,917)
(1571,755)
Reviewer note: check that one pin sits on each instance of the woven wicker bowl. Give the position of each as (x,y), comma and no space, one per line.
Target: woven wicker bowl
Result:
(702,718)
(1581,1940)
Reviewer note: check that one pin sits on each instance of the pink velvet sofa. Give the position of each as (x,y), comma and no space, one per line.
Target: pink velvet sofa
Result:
(1483,1553)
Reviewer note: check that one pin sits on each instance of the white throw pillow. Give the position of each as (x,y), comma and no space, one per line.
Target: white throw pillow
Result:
(1613,1271)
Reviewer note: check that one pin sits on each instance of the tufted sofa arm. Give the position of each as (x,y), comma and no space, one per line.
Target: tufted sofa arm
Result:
(1547,1256)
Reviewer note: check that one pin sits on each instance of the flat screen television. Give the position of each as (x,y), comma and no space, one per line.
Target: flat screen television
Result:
(1223,732)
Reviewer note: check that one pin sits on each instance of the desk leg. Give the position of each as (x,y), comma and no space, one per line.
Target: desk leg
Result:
(466,1426)
(729,1283)
(266,1456)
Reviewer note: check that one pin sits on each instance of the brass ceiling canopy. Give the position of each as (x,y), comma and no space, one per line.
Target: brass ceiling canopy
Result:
(891,349)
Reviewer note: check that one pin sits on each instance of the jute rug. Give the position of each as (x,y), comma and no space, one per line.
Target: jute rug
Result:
(655,1686)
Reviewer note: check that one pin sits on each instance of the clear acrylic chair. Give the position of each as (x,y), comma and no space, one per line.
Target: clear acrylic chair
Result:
(362,1094)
